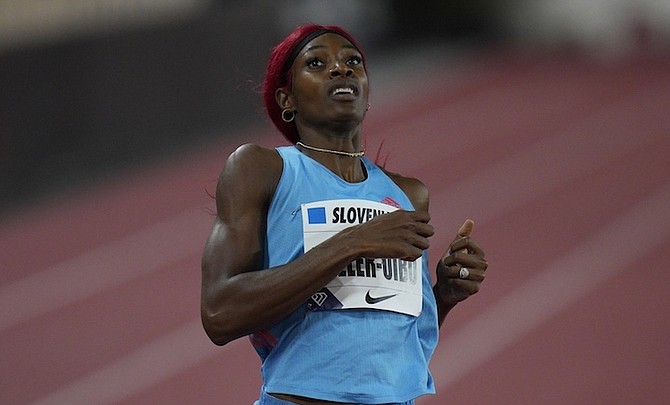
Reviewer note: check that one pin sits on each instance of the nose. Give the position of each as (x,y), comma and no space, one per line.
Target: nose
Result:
(340,69)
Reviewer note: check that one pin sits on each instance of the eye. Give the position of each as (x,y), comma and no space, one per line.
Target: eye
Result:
(355,60)
(314,63)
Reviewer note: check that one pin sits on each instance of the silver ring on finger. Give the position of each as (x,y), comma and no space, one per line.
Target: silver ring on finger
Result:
(464,273)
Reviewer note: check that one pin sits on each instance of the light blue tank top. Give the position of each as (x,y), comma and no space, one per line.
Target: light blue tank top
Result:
(354,355)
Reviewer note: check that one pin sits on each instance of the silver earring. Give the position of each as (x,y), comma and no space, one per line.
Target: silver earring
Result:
(287,115)
(368,107)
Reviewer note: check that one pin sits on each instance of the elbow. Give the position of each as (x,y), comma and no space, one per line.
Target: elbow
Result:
(217,329)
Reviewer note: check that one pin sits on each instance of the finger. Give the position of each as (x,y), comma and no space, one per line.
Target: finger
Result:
(421,226)
(459,245)
(466,245)
(466,228)
(464,232)
(419,241)
(453,283)
(474,248)
(473,274)
(412,255)
(466,260)
(469,287)
(425,230)
(420,216)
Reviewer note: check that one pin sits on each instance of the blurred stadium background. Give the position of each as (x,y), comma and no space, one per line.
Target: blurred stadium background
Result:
(548,122)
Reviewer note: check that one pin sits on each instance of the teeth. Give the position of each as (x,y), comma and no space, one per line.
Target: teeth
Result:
(343,90)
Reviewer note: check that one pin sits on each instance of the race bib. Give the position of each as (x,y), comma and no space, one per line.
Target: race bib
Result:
(371,283)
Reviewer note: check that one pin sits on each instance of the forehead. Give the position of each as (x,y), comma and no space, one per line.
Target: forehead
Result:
(328,40)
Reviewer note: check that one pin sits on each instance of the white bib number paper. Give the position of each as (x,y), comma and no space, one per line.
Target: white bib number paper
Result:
(371,283)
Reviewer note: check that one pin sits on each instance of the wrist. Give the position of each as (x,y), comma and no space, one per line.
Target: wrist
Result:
(340,249)
(442,301)
(350,245)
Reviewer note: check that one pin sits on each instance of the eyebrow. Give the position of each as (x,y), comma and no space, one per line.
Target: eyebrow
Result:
(349,46)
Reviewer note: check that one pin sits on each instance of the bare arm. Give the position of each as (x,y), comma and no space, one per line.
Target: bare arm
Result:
(449,289)
(237,298)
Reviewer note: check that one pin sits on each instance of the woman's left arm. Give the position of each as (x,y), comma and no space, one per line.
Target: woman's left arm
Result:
(460,271)
(462,268)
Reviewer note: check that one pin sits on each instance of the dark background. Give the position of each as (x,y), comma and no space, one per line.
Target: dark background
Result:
(77,110)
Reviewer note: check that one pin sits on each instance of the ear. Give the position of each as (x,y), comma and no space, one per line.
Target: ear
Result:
(284,99)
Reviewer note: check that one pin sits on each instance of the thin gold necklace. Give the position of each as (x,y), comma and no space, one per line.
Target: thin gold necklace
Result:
(335,152)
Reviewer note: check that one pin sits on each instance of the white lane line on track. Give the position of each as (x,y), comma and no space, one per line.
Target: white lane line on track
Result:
(105,267)
(554,288)
(159,360)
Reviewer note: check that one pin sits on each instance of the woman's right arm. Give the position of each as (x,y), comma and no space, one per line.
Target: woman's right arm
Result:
(237,297)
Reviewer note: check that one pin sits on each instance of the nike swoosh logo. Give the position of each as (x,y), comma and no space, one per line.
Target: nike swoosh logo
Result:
(377,300)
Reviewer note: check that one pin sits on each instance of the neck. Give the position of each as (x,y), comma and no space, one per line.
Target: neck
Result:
(331,151)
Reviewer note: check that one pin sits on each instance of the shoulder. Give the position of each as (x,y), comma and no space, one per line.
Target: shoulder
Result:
(252,171)
(250,160)
(414,188)
(252,153)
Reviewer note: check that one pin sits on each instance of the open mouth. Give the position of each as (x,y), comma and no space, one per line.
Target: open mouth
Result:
(344,91)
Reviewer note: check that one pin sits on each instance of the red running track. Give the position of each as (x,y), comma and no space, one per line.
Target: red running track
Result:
(563,163)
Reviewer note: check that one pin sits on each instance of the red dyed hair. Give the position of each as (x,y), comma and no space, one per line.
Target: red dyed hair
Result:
(277,78)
